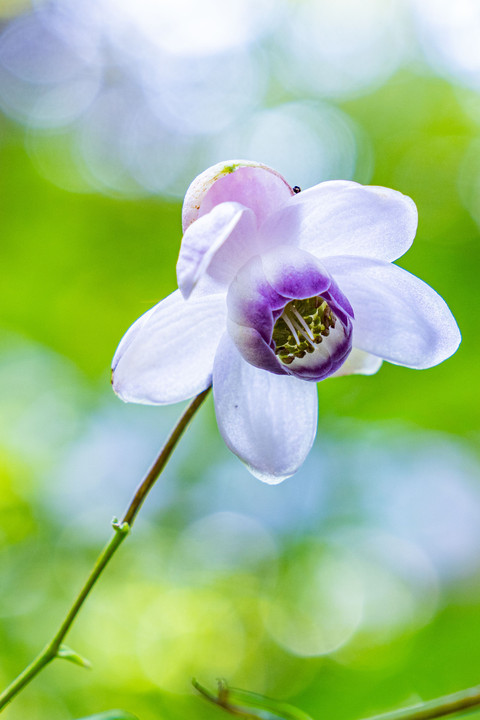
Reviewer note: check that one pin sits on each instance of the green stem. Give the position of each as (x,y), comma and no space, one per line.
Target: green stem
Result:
(54,648)
(255,707)
(458,702)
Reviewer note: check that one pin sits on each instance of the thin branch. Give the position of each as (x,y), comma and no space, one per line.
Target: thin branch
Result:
(459,702)
(55,647)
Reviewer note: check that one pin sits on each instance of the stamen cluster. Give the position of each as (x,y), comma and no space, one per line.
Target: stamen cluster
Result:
(301,328)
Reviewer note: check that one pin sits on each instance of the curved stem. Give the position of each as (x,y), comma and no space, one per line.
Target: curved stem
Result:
(256,707)
(157,467)
(55,648)
(462,701)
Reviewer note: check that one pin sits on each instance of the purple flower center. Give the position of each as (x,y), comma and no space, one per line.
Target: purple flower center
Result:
(288,316)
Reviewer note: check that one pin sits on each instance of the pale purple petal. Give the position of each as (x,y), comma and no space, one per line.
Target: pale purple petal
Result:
(252,184)
(130,335)
(297,274)
(251,300)
(294,273)
(344,218)
(254,349)
(397,316)
(201,247)
(359,363)
(269,421)
(167,355)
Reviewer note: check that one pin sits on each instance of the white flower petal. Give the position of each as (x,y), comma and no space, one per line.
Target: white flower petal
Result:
(205,238)
(397,316)
(344,218)
(268,420)
(359,363)
(244,181)
(167,355)
(130,335)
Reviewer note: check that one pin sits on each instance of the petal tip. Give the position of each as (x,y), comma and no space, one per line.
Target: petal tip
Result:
(267,477)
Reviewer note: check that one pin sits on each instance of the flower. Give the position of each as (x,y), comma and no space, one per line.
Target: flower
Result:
(279,289)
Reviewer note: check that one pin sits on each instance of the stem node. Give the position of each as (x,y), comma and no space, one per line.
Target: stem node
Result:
(122,528)
(66,653)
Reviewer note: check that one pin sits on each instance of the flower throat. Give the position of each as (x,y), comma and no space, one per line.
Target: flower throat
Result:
(301,328)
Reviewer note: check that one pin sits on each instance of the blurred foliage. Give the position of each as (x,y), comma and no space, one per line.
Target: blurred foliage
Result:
(284,591)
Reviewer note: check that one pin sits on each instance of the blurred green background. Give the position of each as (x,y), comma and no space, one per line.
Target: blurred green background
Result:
(351,588)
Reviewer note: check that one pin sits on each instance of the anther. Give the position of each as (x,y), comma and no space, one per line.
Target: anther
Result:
(304,327)
(301,327)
